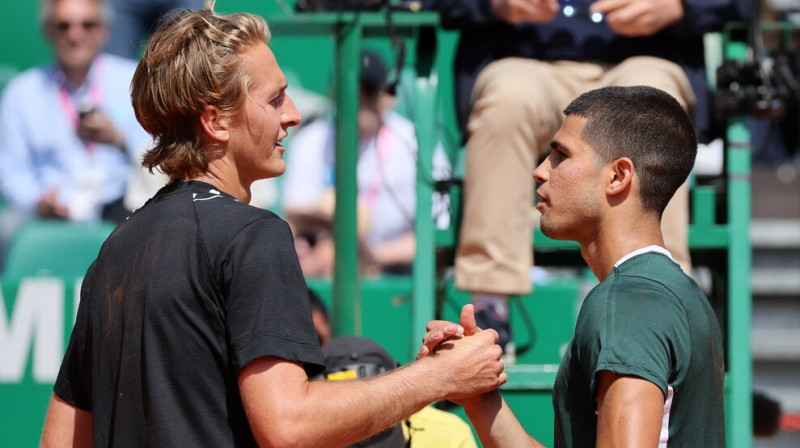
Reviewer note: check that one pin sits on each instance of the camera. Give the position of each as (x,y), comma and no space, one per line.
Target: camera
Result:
(760,87)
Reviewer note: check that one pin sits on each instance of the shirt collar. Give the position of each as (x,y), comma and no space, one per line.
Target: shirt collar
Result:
(58,76)
(643,250)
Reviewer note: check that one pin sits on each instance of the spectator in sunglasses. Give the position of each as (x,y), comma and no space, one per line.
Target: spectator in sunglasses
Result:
(69,137)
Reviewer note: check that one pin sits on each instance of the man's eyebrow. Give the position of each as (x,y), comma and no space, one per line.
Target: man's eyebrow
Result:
(281,88)
(555,144)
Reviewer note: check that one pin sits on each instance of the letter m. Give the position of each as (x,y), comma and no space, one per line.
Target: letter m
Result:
(37,320)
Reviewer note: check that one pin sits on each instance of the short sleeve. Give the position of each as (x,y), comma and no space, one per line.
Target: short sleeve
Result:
(637,329)
(267,306)
(74,381)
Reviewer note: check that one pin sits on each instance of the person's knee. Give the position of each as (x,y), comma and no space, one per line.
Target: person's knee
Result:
(655,72)
(511,82)
(512,105)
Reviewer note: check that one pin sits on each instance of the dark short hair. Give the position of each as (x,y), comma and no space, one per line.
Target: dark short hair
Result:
(648,126)
(373,73)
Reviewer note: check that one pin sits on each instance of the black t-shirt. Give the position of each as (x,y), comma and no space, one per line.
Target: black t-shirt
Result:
(189,290)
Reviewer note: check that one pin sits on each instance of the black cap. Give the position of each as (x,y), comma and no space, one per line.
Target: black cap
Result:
(373,72)
(349,357)
(355,357)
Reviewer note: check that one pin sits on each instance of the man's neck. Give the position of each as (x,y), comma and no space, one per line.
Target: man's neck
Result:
(616,241)
(226,184)
(76,76)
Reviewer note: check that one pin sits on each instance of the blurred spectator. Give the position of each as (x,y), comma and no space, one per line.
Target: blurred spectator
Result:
(313,239)
(321,317)
(133,20)
(387,168)
(68,134)
(518,64)
(350,357)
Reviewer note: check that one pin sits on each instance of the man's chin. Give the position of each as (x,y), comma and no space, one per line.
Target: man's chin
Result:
(552,232)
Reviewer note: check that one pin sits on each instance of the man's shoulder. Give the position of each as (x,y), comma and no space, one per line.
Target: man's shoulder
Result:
(220,218)
(223,206)
(118,62)
(650,275)
(652,266)
(115,68)
(28,80)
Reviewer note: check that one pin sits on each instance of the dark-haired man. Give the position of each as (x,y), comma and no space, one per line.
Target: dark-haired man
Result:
(645,367)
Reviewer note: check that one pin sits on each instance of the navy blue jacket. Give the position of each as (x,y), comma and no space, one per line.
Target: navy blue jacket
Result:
(485,38)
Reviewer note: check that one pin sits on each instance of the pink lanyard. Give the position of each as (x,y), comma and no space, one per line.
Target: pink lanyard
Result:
(382,148)
(71,111)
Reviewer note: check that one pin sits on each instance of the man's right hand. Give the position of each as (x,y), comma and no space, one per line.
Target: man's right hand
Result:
(49,206)
(469,365)
(635,18)
(441,330)
(518,11)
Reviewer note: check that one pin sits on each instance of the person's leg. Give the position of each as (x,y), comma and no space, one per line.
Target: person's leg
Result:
(511,119)
(669,77)
(516,110)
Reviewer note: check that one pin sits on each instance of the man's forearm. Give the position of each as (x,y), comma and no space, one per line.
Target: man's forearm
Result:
(281,403)
(496,424)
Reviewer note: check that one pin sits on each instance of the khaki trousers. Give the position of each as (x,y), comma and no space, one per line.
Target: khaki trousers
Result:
(517,107)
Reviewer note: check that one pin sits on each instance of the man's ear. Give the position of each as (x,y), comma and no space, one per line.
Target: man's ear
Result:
(215,124)
(621,180)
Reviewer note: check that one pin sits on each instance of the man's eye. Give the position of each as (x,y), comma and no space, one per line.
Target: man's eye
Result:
(277,101)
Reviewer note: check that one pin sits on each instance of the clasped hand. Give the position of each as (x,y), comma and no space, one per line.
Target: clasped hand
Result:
(480,368)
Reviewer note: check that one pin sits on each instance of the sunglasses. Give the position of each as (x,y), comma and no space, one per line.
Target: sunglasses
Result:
(87,25)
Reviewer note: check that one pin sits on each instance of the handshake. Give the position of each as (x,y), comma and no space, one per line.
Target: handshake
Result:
(471,355)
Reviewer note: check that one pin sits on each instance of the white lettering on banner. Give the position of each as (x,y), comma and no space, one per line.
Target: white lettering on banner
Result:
(37,319)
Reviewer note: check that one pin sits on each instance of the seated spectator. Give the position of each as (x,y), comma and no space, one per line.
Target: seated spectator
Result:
(321,317)
(517,64)
(387,171)
(68,134)
(350,357)
(313,240)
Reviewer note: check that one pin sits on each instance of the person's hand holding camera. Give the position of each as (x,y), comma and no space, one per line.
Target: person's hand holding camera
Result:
(96,126)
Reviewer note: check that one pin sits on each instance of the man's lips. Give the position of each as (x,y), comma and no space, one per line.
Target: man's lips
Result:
(542,201)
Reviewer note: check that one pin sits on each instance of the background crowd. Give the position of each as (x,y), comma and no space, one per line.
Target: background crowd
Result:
(71,146)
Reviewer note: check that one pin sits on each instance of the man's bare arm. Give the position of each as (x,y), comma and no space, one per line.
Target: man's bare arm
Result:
(629,411)
(66,426)
(496,424)
(285,409)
